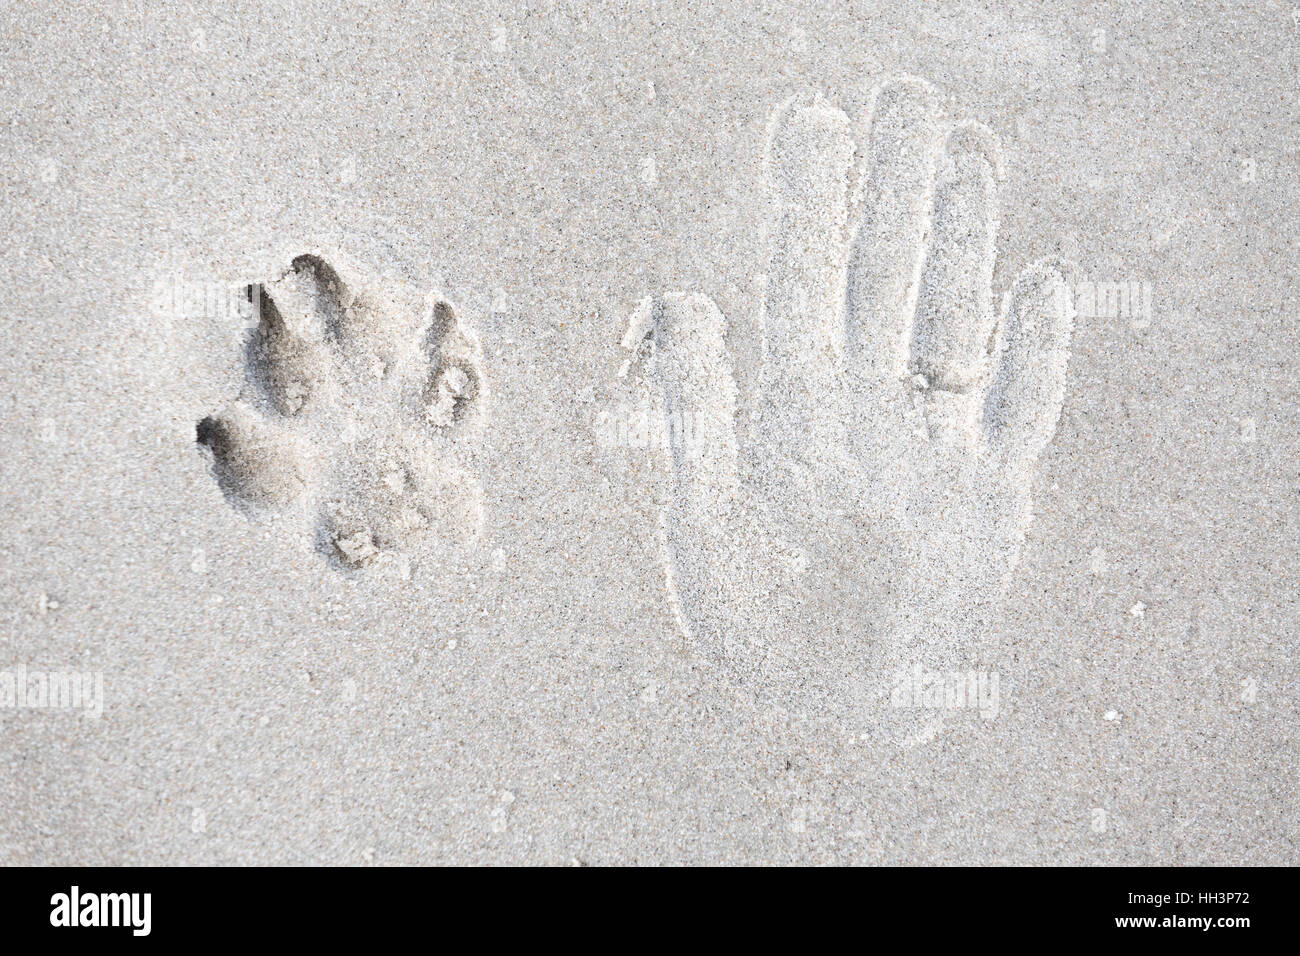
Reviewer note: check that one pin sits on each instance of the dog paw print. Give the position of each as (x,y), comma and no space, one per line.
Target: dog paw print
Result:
(878,493)
(359,420)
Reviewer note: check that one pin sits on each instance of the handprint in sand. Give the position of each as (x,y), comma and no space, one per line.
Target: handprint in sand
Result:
(881,492)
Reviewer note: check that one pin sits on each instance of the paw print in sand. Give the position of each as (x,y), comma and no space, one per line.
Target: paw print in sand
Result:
(359,421)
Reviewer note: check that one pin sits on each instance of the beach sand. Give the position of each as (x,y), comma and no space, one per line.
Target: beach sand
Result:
(419,604)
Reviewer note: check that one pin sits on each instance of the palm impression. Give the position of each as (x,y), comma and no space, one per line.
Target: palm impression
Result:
(878,496)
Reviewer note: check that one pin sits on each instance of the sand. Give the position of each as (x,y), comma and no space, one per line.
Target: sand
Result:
(689,433)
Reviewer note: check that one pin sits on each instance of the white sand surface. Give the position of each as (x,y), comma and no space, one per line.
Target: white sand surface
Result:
(431,590)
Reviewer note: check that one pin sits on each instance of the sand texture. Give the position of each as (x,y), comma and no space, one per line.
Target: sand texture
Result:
(602,433)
